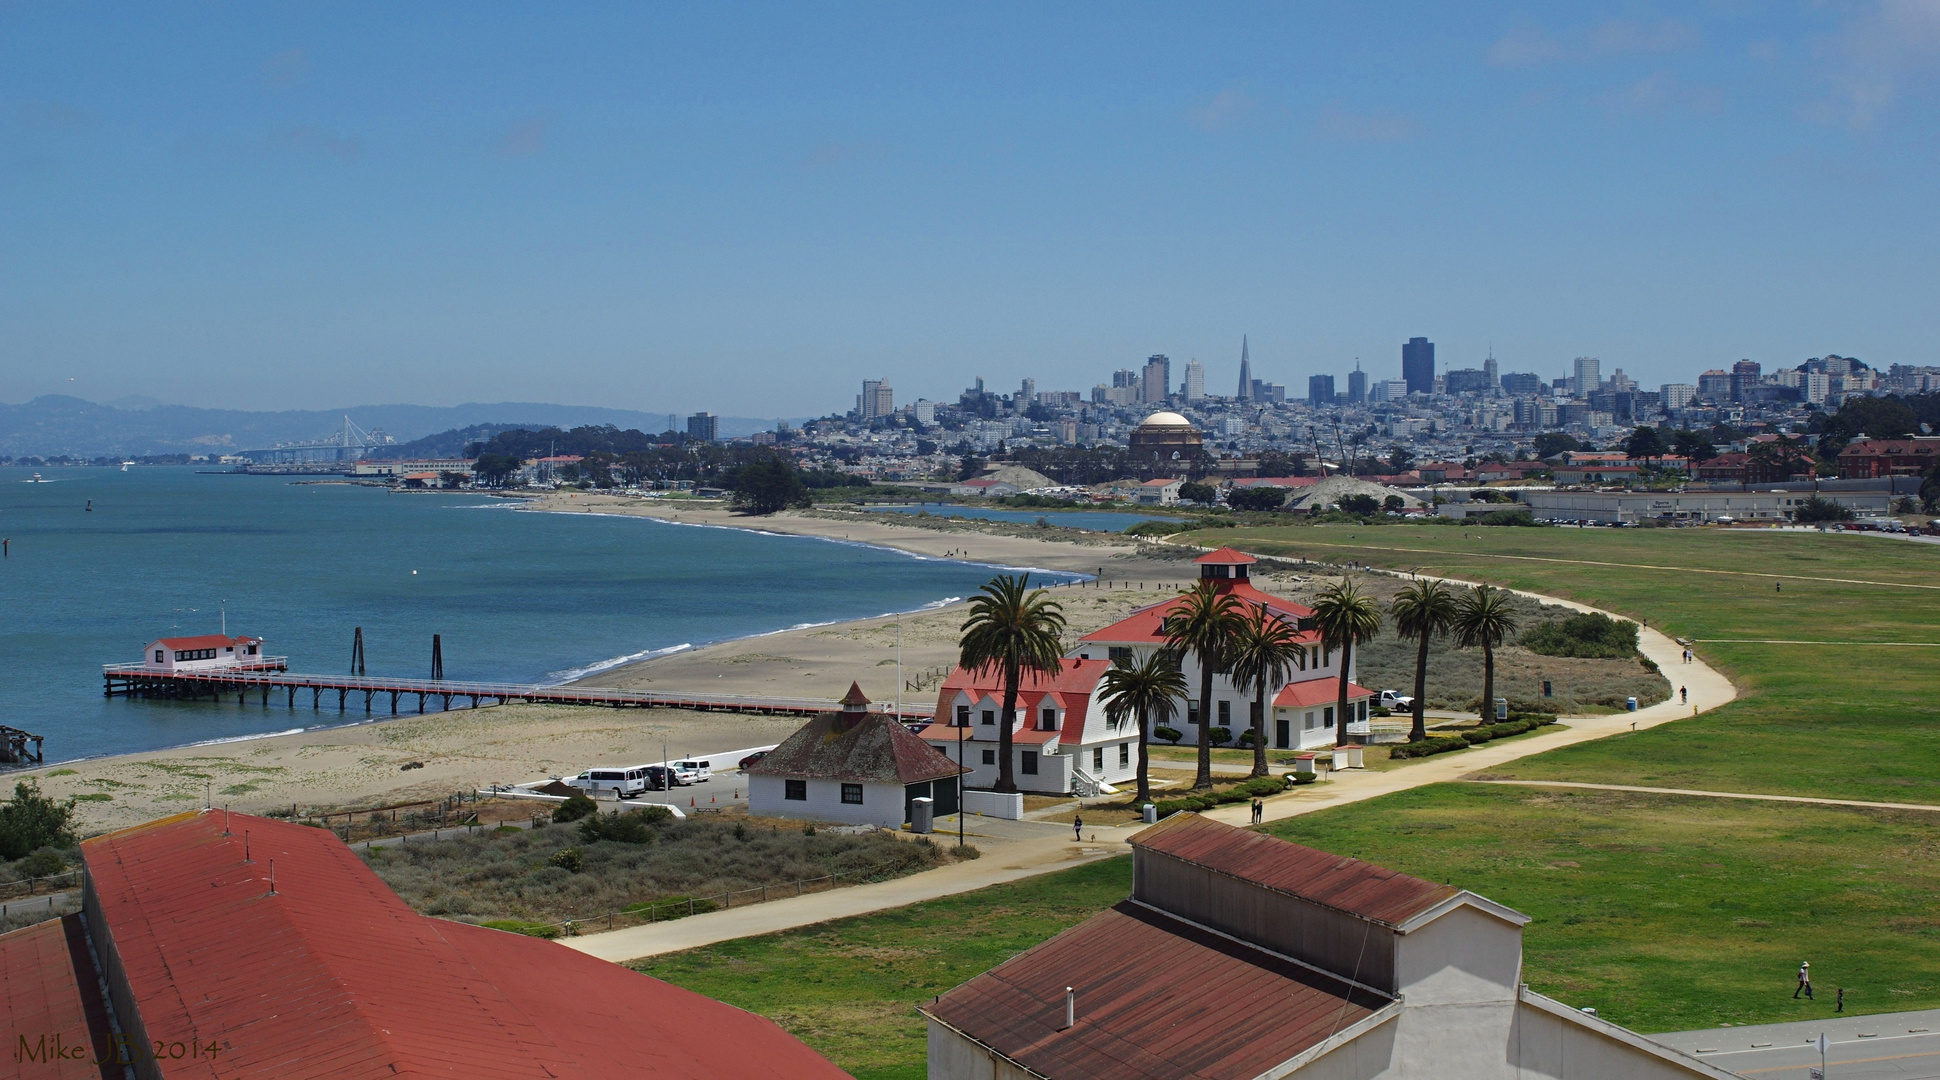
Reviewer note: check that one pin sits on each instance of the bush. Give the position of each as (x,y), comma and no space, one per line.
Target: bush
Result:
(1161,528)
(570,859)
(1257,499)
(1220,736)
(43,863)
(1816,509)
(1256,788)
(519,926)
(575,807)
(965,851)
(1488,732)
(1169,734)
(1505,517)
(1590,635)
(632,827)
(1246,739)
(1434,744)
(33,821)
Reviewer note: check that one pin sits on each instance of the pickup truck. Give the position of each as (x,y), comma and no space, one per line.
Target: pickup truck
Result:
(1396,701)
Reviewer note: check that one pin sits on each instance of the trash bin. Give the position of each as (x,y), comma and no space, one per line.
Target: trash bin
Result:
(1630,704)
(922,814)
(1501,709)
(1149,814)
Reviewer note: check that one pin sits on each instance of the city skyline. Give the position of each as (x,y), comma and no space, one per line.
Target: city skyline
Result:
(261,208)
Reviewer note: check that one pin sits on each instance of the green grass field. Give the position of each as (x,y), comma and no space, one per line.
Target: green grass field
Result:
(850,988)
(1839,721)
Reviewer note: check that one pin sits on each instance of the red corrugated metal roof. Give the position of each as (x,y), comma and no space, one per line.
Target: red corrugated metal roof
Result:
(53,1004)
(333,976)
(1156,998)
(1322,691)
(1349,885)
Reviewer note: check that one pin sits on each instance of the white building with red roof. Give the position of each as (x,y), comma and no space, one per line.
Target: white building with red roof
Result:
(204,652)
(1064,742)
(852,766)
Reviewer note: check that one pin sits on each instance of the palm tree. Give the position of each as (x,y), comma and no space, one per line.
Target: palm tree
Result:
(1137,690)
(1346,617)
(1422,612)
(1011,629)
(1484,619)
(1203,624)
(1262,656)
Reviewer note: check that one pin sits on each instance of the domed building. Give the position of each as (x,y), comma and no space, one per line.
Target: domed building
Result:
(1167,439)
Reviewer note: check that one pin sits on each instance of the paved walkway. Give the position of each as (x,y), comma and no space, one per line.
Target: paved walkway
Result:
(1012,860)
(1899,1046)
(1718,794)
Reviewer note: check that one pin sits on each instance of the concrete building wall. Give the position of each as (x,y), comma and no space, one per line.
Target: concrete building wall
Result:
(953,1057)
(1463,957)
(1554,1042)
(882,804)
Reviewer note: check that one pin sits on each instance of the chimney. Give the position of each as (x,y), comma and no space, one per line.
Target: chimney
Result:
(1070,1009)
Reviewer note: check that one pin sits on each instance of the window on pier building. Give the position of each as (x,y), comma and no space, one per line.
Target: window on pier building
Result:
(795,790)
(852,794)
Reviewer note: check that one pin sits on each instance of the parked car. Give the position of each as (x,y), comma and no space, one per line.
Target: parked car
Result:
(694,771)
(1396,701)
(751,759)
(660,778)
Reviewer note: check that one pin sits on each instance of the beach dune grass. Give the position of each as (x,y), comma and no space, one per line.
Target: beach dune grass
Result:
(1851,719)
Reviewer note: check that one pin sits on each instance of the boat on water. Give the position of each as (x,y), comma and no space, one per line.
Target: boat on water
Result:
(125,464)
(36,480)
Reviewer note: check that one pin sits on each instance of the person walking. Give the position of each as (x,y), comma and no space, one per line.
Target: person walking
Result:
(1077,827)
(1259,811)
(1683,695)
(1805,981)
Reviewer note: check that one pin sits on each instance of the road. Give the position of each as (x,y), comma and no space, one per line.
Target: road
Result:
(1884,1046)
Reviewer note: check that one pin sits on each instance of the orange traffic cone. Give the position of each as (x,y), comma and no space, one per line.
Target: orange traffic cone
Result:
(710,800)
(690,800)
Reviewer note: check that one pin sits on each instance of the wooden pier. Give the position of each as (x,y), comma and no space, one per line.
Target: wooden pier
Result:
(270,678)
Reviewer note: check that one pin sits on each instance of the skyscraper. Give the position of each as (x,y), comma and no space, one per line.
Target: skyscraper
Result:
(1357,385)
(704,427)
(1418,365)
(1195,381)
(1587,376)
(1320,390)
(1745,374)
(877,399)
(1245,371)
(1493,372)
(1158,378)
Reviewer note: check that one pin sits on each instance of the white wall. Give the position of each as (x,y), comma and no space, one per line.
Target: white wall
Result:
(882,804)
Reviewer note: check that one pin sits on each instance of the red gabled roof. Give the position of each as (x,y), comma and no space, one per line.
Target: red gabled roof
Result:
(1146,626)
(1156,999)
(1070,689)
(1226,557)
(333,976)
(1357,888)
(205,641)
(1322,691)
(51,992)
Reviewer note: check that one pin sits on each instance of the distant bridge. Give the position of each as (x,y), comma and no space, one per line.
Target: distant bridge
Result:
(350,444)
(269,677)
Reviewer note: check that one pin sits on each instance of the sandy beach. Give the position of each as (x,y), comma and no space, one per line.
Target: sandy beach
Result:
(360,765)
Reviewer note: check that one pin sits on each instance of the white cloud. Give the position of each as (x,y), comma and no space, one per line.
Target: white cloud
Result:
(1891,46)
(1229,108)
(1337,123)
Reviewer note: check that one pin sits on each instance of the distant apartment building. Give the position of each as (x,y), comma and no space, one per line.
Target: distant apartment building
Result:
(1466,381)
(1320,390)
(1272,392)
(925,412)
(1492,373)
(1157,379)
(1418,365)
(1195,387)
(1714,385)
(1745,374)
(1388,390)
(877,400)
(1522,384)
(1817,386)
(1587,376)
(704,427)
(1357,386)
(1026,392)
(1674,396)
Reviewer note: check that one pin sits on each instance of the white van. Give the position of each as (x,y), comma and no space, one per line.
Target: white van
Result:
(694,772)
(623,783)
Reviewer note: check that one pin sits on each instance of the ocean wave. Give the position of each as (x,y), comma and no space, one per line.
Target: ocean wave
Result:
(555,678)
(244,738)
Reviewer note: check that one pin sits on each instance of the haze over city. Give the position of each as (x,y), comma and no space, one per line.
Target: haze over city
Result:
(749,209)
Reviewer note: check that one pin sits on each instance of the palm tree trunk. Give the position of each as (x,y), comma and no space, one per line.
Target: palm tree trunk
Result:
(1420,729)
(1488,683)
(1144,762)
(1259,729)
(1204,777)
(1340,702)
(1006,780)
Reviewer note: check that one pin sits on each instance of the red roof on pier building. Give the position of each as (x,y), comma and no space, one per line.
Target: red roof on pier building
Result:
(206,641)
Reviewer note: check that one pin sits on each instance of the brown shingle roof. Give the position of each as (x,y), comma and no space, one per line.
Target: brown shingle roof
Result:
(1349,885)
(876,749)
(1156,997)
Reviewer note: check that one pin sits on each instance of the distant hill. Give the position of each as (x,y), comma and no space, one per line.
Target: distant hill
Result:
(55,424)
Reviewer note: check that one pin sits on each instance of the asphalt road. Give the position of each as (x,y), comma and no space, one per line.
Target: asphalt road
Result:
(1885,1046)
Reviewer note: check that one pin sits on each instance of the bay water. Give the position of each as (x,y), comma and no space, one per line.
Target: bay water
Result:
(100,562)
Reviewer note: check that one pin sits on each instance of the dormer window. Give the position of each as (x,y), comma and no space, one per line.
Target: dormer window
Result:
(1047,720)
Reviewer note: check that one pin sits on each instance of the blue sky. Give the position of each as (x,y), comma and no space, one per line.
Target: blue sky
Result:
(750,208)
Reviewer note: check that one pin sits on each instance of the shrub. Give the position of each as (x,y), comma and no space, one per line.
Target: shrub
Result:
(632,827)
(33,821)
(1220,736)
(1256,788)
(1488,732)
(1258,499)
(1504,517)
(520,926)
(1169,734)
(575,807)
(570,859)
(43,863)
(1591,634)
(1161,528)
(1817,509)
(1246,739)
(965,851)
(1434,744)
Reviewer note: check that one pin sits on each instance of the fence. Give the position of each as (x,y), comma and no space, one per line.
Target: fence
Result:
(14,890)
(691,905)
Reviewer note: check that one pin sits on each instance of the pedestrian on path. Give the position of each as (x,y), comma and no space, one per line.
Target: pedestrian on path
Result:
(1683,695)
(1778,586)
(1077,827)
(1805,981)
(1841,1005)
(1259,811)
